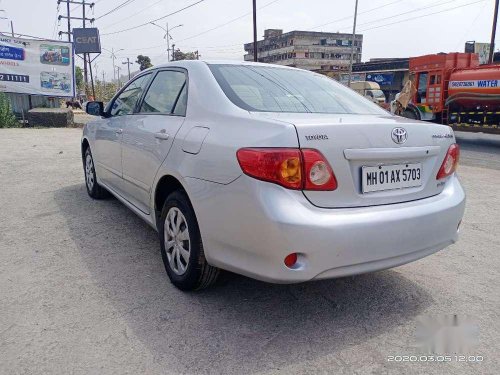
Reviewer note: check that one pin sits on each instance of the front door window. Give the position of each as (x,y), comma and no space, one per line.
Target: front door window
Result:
(125,103)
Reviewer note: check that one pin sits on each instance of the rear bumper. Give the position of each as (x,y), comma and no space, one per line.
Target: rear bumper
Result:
(249,226)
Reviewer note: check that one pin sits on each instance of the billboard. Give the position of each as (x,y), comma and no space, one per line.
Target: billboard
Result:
(39,67)
(355,77)
(86,40)
(383,79)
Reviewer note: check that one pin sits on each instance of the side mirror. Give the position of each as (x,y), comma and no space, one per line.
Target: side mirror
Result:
(95,108)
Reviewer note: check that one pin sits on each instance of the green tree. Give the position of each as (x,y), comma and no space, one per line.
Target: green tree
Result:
(104,91)
(179,55)
(144,62)
(79,78)
(7,118)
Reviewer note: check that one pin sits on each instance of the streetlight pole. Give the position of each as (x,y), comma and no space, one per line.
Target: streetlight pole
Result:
(167,36)
(352,44)
(113,57)
(493,31)
(255,31)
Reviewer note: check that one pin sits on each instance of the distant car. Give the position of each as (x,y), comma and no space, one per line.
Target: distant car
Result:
(272,172)
(371,90)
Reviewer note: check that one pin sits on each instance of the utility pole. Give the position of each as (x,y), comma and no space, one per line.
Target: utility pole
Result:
(255,31)
(128,66)
(68,13)
(103,89)
(85,73)
(119,81)
(493,31)
(352,44)
(68,16)
(168,44)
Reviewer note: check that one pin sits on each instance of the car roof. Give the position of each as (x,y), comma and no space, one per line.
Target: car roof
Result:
(192,63)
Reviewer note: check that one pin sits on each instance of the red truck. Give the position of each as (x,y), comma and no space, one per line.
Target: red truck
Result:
(453,89)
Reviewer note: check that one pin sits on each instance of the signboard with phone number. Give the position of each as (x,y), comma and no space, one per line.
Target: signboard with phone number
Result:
(40,67)
(14,78)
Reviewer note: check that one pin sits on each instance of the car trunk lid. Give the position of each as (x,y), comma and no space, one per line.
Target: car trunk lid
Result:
(360,146)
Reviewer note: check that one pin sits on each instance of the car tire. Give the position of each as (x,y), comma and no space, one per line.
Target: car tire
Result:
(182,246)
(95,190)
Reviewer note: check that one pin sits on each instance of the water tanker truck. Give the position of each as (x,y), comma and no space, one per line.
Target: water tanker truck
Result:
(452,89)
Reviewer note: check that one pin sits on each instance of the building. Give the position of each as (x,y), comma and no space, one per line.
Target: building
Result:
(309,50)
(482,50)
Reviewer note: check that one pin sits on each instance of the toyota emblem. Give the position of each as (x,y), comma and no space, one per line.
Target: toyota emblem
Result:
(399,135)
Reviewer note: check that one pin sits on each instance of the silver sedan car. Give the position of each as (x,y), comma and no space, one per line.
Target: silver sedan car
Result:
(272,172)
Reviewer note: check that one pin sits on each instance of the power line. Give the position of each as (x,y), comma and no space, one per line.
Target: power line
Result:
(155,20)
(206,31)
(422,16)
(26,35)
(191,47)
(388,17)
(401,14)
(349,17)
(74,8)
(226,23)
(132,15)
(470,26)
(118,7)
(408,12)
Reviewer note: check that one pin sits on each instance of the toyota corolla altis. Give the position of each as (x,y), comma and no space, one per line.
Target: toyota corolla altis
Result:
(275,173)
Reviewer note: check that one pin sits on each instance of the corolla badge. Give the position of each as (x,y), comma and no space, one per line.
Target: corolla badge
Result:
(399,135)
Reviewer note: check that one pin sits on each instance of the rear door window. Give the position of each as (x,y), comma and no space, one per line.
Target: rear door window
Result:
(165,93)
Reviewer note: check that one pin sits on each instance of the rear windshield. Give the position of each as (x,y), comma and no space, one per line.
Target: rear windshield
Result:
(271,89)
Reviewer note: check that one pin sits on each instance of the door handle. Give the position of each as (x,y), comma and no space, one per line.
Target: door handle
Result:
(162,135)
(119,131)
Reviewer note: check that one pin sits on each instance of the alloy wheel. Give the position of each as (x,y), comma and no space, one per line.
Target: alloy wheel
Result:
(89,172)
(177,243)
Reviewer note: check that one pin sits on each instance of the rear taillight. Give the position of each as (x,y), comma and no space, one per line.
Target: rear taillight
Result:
(450,162)
(279,165)
(318,173)
(289,167)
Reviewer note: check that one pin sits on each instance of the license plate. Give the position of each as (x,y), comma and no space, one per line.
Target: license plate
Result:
(389,177)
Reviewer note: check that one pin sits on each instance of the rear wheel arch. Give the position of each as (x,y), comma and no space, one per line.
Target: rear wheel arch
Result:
(165,186)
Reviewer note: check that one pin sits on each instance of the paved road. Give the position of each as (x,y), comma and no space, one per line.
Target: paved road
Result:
(83,289)
(479,149)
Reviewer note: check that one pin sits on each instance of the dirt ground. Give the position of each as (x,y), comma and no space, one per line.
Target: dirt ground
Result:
(83,289)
